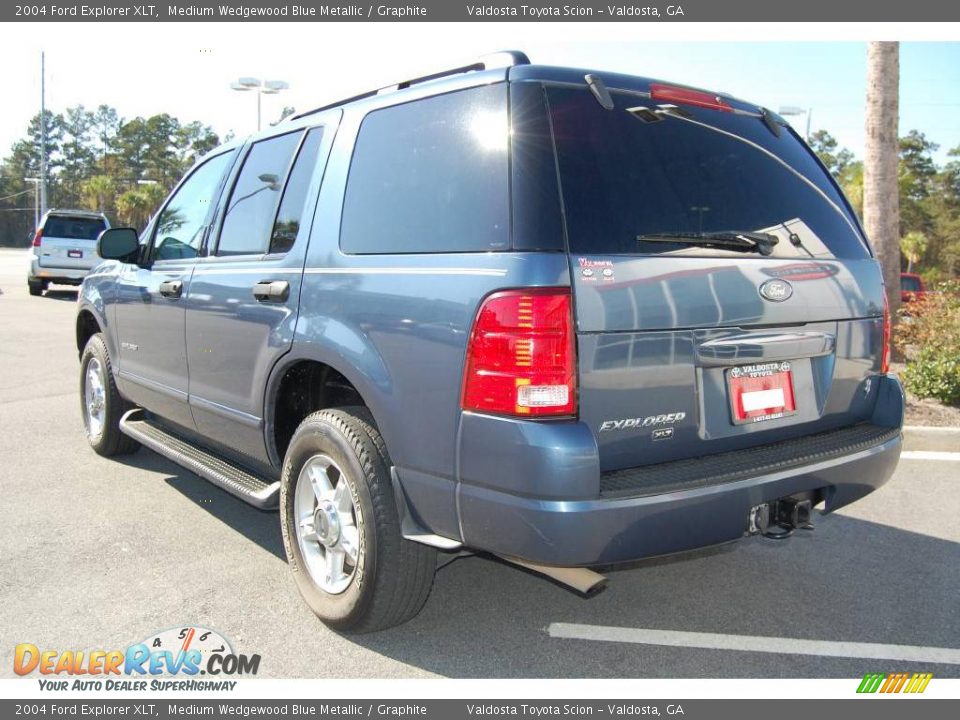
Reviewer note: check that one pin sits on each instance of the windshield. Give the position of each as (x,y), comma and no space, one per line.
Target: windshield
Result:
(909,284)
(634,176)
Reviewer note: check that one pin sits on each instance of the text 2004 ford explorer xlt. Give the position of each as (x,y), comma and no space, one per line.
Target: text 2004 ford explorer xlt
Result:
(567,318)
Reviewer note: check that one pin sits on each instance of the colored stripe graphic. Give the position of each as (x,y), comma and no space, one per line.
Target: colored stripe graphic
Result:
(894,683)
(871,682)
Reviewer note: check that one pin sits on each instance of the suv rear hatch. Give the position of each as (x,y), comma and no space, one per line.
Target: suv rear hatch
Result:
(725,296)
(69,241)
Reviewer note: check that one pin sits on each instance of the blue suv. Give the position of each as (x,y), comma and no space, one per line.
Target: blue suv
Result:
(568,318)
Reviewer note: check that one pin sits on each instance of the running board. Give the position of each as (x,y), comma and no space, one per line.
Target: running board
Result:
(223,474)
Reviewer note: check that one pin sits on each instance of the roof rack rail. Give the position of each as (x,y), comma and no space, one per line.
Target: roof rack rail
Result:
(505,58)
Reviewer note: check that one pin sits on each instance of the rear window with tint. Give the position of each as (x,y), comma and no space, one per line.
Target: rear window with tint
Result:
(73,228)
(431,176)
(705,172)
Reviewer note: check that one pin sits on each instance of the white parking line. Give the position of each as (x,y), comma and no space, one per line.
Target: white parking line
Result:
(755,643)
(930,455)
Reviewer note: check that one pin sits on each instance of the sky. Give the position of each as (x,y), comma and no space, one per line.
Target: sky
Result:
(186,69)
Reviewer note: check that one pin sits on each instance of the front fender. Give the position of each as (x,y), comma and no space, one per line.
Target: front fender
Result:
(95,299)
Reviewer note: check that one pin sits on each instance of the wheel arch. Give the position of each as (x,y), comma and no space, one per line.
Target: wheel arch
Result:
(313,380)
(87,325)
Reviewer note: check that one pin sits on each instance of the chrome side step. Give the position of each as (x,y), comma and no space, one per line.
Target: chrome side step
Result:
(220,472)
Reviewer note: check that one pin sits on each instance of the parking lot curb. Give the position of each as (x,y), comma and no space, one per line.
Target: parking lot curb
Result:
(938,439)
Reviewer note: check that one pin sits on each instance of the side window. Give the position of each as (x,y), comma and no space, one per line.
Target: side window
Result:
(287,224)
(431,176)
(179,228)
(252,206)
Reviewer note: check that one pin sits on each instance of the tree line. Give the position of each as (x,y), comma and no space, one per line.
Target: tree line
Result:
(98,160)
(929,200)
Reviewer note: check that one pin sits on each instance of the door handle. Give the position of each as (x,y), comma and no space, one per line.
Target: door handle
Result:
(272,291)
(740,349)
(171,288)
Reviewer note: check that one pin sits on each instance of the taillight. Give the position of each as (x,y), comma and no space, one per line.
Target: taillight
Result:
(885,351)
(37,236)
(521,359)
(686,96)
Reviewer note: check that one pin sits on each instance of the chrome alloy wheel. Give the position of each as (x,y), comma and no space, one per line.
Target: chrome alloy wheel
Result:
(327,524)
(94,398)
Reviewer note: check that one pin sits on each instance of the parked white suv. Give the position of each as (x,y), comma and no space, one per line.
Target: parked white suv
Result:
(65,248)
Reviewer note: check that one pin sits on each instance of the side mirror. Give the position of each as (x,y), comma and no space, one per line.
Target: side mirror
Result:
(118,244)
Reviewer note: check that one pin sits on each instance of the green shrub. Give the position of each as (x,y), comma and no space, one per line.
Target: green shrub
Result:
(932,375)
(928,335)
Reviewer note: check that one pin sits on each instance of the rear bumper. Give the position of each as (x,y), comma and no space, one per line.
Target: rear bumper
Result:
(68,276)
(601,530)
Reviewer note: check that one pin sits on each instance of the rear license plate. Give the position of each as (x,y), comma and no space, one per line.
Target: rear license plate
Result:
(760,392)
(75,253)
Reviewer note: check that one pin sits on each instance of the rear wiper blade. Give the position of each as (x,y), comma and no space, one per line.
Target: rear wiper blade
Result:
(747,241)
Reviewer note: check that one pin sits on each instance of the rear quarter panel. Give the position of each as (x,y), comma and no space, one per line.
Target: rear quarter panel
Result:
(397,327)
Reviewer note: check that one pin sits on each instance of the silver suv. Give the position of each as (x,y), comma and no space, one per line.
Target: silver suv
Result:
(64,248)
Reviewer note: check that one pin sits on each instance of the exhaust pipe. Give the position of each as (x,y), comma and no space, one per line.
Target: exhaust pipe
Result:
(583,580)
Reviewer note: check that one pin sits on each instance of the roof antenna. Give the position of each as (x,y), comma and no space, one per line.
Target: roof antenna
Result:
(599,90)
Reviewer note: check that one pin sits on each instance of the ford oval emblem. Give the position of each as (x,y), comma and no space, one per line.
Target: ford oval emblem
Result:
(776,290)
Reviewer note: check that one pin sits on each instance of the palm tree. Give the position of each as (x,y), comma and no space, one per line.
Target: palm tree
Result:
(133,208)
(98,192)
(881,198)
(851,180)
(913,245)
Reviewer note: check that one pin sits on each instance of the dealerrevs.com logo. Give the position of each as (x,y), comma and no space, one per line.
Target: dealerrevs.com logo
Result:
(156,663)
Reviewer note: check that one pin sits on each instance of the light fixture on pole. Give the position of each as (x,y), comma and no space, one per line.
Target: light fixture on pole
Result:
(260,87)
(794,110)
(700,210)
(36,200)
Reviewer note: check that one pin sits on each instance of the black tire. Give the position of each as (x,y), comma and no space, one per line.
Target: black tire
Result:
(108,441)
(393,576)
(36,287)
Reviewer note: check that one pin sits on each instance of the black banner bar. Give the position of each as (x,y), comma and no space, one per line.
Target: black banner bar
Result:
(489,11)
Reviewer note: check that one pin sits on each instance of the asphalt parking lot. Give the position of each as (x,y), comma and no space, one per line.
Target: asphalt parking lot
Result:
(100,553)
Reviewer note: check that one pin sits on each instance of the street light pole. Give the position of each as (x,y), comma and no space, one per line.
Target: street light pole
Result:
(260,87)
(794,110)
(36,200)
(43,134)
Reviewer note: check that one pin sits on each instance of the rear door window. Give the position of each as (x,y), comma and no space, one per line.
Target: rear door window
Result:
(431,176)
(292,206)
(73,228)
(628,175)
(252,207)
